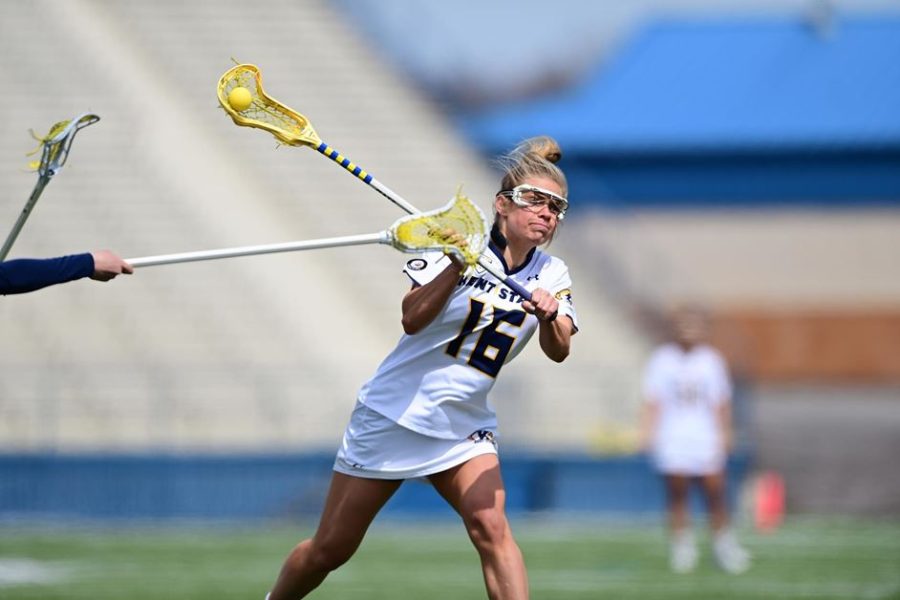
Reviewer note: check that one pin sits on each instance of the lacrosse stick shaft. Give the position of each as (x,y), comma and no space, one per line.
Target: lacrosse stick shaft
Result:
(385,191)
(23,216)
(367,178)
(184,257)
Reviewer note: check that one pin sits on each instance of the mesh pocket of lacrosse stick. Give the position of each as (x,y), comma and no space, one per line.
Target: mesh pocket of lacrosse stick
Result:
(458,228)
(264,112)
(56,144)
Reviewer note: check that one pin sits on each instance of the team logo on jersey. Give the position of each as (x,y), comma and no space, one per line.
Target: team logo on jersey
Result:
(566,293)
(416,264)
(483,435)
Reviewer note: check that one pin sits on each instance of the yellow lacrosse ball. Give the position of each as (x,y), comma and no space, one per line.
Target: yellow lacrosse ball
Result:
(240,99)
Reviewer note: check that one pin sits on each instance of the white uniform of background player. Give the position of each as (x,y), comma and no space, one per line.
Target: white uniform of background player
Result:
(687,429)
(426,408)
(688,387)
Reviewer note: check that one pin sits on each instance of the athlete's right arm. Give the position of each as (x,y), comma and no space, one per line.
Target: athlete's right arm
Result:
(423,303)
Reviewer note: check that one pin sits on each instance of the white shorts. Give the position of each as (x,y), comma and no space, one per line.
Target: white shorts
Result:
(378,448)
(671,461)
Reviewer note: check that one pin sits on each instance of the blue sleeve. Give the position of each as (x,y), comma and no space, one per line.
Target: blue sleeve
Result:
(28,274)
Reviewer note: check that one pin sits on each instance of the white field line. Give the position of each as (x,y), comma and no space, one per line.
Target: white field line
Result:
(26,571)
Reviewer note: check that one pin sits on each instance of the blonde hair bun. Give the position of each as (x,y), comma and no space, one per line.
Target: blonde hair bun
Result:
(533,157)
(544,146)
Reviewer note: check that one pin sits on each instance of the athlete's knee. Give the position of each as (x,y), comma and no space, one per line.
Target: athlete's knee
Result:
(488,528)
(327,556)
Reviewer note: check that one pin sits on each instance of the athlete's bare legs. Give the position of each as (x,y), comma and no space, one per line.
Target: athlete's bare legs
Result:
(677,488)
(683,550)
(475,490)
(714,491)
(729,554)
(350,507)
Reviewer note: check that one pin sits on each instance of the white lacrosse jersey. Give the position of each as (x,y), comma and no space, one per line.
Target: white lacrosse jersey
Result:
(436,381)
(688,387)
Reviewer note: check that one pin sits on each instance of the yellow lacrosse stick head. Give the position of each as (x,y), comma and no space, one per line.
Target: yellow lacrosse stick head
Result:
(263,111)
(55,145)
(458,228)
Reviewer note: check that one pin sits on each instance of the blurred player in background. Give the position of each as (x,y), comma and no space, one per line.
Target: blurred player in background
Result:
(425,412)
(22,275)
(686,426)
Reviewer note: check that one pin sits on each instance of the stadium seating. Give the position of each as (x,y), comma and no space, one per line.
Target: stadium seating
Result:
(252,353)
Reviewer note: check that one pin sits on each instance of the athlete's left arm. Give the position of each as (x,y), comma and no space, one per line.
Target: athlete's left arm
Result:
(555,334)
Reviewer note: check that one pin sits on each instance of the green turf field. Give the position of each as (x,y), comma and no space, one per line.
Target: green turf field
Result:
(810,558)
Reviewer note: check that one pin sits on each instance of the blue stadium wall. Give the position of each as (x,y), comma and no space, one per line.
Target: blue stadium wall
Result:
(294,486)
(773,180)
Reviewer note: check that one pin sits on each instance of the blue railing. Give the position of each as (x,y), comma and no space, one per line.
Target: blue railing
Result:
(276,486)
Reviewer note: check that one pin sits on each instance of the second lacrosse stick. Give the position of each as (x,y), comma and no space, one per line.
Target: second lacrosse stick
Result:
(54,152)
(458,228)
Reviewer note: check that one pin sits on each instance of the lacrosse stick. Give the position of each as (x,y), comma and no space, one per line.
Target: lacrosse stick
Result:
(55,150)
(242,96)
(458,228)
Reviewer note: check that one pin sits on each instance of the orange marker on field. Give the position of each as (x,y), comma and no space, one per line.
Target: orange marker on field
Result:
(768,501)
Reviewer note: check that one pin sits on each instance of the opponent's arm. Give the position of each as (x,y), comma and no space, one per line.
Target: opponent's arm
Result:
(107,266)
(24,275)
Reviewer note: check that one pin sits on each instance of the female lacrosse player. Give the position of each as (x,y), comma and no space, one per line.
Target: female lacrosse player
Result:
(425,413)
(29,274)
(687,427)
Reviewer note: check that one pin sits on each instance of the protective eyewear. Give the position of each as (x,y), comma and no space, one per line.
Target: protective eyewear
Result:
(533,198)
